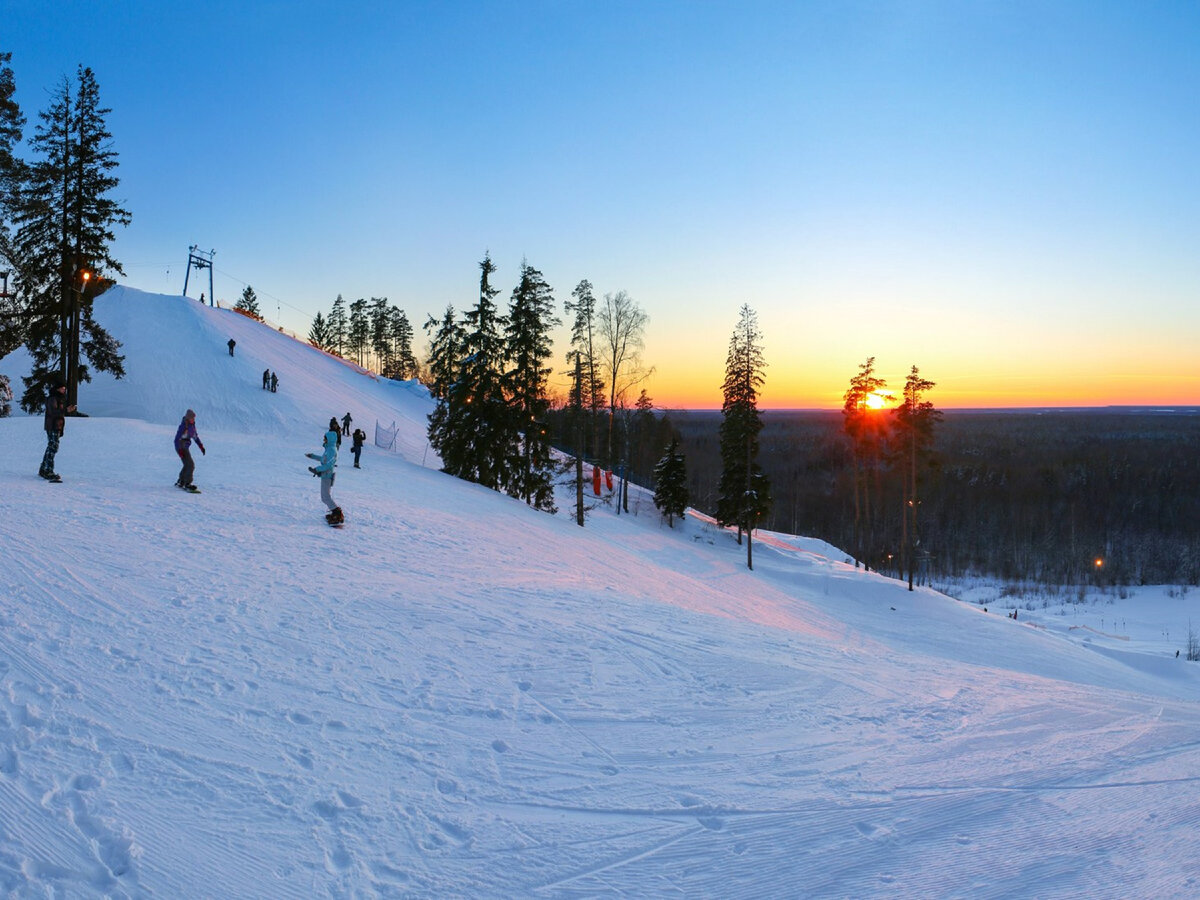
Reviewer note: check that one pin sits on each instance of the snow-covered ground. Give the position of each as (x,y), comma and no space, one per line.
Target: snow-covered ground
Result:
(456,696)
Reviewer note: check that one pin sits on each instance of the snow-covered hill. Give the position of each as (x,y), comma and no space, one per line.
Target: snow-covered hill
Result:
(455,696)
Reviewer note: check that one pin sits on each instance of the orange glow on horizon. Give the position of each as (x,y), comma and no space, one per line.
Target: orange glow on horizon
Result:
(1149,393)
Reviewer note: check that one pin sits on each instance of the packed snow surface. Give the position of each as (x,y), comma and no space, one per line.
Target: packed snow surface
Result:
(217,695)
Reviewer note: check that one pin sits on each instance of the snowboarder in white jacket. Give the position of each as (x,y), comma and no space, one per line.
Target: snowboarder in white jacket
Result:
(324,470)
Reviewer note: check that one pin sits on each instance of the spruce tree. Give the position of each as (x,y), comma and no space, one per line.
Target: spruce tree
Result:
(445,350)
(744,491)
(530,320)
(318,334)
(583,348)
(670,484)
(360,330)
(12,169)
(377,314)
(64,221)
(478,440)
(12,124)
(337,326)
(247,304)
(400,334)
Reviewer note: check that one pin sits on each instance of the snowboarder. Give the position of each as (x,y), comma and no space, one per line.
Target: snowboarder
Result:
(184,435)
(266,379)
(232,344)
(346,420)
(324,470)
(356,448)
(274,382)
(55,423)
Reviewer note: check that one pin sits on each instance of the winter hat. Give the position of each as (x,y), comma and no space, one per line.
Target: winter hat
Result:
(190,414)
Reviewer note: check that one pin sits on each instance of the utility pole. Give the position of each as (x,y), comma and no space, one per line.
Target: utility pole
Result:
(79,286)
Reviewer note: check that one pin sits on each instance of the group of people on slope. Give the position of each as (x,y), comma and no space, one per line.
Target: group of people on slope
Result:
(57,410)
(270,381)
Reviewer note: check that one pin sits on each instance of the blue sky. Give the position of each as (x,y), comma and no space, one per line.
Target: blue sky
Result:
(1003,194)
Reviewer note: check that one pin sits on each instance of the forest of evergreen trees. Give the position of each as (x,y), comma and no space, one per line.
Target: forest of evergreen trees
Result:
(1021,495)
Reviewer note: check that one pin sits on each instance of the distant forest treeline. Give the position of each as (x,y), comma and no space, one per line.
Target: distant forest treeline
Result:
(1037,496)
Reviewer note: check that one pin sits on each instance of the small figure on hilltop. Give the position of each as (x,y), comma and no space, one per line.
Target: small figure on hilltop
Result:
(324,470)
(274,382)
(266,379)
(55,423)
(359,438)
(232,344)
(184,435)
(336,429)
(346,420)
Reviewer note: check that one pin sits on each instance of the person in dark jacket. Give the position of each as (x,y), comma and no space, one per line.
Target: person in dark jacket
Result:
(356,448)
(232,344)
(336,429)
(274,382)
(184,435)
(346,424)
(55,423)
(266,379)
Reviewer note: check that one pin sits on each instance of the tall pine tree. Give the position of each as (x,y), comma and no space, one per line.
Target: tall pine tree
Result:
(359,334)
(866,427)
(744,491)
(583,347)
(527,333)
(400,334)
(337,326)
(914,421)
(12,123)
(477,441)
(64,217)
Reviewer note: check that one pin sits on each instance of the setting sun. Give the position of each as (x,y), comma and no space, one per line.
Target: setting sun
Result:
(877,400)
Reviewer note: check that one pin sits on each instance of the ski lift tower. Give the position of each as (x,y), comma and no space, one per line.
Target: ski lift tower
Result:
(198,259)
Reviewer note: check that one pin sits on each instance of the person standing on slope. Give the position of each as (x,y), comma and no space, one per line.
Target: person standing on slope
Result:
(346,420)
(360,437)
(184,435)
(324,470)
(55,422)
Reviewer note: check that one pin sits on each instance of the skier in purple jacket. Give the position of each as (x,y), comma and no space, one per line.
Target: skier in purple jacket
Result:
(184,436)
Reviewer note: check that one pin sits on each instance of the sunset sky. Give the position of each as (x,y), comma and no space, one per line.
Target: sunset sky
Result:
(1005,194)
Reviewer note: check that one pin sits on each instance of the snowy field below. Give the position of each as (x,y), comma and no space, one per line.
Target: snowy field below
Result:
(217,695)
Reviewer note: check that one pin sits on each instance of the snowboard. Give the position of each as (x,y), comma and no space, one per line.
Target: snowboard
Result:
(53,479)
(189,488)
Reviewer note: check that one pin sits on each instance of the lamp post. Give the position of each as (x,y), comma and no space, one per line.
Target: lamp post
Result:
(79,287)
